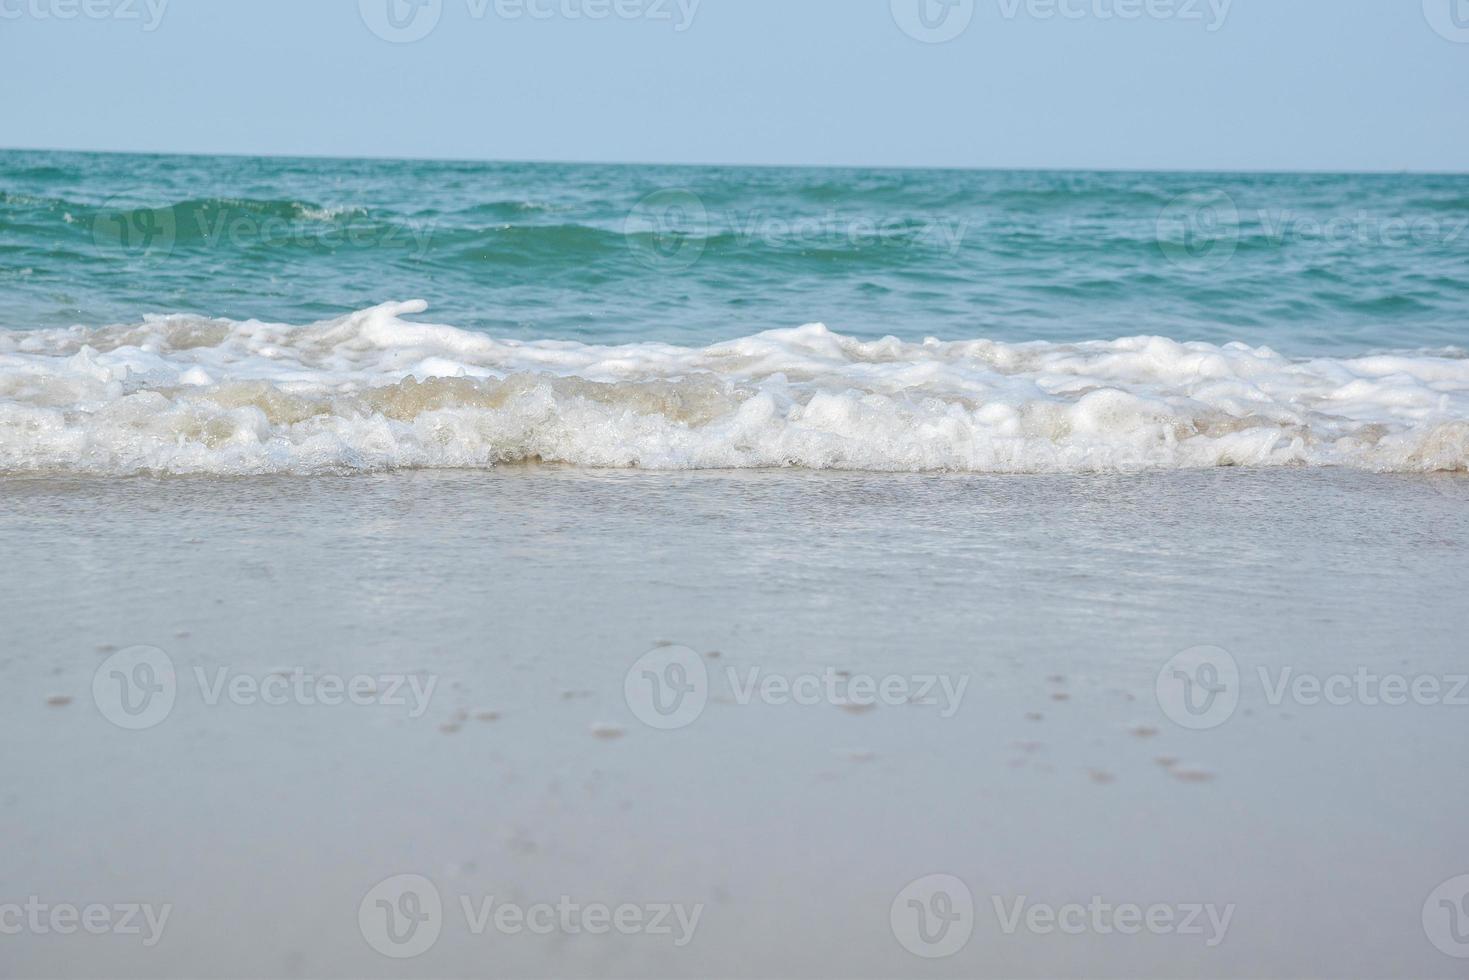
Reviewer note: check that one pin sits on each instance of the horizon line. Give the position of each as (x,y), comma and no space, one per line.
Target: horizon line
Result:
(385,158)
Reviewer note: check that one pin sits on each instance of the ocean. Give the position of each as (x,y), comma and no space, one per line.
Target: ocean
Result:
(410,566)
(247,316)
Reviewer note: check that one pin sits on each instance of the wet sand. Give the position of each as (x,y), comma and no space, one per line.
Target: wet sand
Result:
(519,600)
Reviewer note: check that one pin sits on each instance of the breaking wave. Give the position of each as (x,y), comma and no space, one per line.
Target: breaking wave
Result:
(374,391)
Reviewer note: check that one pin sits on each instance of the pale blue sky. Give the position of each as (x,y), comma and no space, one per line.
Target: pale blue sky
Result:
(1267,84)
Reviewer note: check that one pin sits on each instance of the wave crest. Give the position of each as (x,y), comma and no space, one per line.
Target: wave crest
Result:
(376,391)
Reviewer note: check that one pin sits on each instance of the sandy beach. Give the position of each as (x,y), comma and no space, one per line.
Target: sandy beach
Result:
(734,490)
(903,677)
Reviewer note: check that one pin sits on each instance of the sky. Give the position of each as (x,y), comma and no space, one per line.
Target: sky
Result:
(1106,84)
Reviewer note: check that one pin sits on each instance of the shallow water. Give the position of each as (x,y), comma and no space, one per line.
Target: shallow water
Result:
(530,592)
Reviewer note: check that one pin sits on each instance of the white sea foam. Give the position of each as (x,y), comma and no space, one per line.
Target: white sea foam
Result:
(373,391)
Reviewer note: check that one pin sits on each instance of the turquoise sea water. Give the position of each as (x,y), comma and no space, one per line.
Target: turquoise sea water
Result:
(246,316)
(1306,264)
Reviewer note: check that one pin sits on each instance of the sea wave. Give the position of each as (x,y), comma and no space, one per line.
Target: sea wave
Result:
(186,209)
(375,391)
